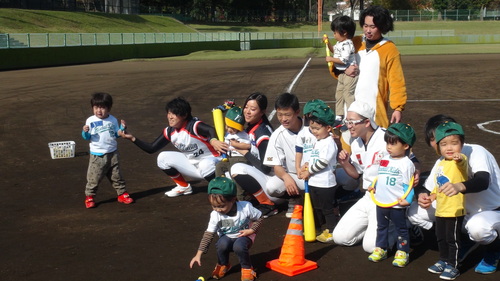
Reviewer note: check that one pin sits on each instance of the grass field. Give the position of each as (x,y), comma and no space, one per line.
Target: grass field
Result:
(36,21)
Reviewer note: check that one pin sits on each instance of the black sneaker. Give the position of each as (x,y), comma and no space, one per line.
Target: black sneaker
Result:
(267,210)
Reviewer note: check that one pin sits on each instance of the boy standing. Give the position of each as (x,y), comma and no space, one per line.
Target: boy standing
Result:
(102,130)
(450,210)
(394,181)
(343,28)
(319,171)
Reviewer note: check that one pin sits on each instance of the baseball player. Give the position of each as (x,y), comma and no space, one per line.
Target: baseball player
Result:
(197,144)
(359,223)
(280,153)
(482,199)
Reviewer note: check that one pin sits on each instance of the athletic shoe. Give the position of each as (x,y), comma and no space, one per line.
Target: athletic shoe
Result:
(489,263)
(437,268)
(416,236)
(401,258)
(291,206)
(378,254)
(125,198)
(325,236)
(449,273)
(467,246)
(89,202)
(267,210)
(248,274)
(220,271)
(179,190)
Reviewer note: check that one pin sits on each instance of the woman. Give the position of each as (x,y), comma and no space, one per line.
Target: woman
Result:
(252,177)
(199,149)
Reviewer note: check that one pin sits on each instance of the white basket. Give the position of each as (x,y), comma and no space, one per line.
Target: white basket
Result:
(62,149)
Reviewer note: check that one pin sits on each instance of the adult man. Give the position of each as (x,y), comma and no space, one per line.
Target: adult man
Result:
(368,147)
(482,198)
(280,153)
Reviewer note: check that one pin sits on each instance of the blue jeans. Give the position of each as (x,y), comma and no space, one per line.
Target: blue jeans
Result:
(398,218)
(240,246)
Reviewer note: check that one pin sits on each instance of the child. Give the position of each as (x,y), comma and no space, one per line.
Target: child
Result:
(102,130)
(320,169)
(394,178)
(305,139)
(237,139)
(236,223)
(343,28)
(450,211)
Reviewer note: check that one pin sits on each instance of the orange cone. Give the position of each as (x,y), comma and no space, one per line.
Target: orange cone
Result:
(292,258)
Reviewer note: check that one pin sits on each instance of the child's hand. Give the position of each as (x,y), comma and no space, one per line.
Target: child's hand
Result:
(325,38)
(457,156)
(86,128)
(370,188)
(246,232)
(402,202)
(329,59)
(196,259)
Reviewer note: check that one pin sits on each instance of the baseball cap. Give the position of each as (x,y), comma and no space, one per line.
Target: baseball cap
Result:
(325,114)
(364,110)
(404,131)
(448,129)
(312,104)
(222,185)
(234,118)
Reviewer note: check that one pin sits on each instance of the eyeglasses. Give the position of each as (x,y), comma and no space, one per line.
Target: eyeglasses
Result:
(354,122)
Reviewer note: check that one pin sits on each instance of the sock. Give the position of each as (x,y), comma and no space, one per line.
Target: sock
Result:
(179,180)
(262,197)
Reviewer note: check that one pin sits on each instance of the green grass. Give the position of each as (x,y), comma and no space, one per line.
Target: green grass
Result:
(35,21)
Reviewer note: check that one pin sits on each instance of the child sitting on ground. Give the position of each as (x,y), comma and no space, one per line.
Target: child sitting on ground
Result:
(236,223)
(102,130)
(393,182)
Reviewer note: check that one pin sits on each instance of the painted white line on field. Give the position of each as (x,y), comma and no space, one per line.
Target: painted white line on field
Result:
(481,127)
(290,87)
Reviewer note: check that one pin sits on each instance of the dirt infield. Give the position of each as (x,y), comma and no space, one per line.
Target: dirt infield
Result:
(47,234)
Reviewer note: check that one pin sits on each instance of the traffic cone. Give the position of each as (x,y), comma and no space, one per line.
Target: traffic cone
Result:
(292,258)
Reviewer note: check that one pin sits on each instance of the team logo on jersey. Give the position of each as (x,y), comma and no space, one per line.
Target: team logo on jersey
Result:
(384,163)
(270,158)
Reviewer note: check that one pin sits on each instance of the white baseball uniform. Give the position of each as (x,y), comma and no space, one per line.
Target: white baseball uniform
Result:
(281,151)
(359,223)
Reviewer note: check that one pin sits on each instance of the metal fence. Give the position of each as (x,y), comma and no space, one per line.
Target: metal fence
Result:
(42,40)
(455,15)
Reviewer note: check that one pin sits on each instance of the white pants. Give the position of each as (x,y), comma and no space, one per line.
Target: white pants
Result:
(482,227)
(276,186)
(358,224)
(195,169)
(260,177)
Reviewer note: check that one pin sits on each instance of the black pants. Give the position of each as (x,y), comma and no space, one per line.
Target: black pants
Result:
(323,199)
(448,231)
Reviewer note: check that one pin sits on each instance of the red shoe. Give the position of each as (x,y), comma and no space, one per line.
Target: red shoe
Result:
(125,198)
(220,271)
(89,202)
(247,274)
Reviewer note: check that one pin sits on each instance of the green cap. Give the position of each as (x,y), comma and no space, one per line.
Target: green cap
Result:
(448,129)
(404,131)
(312,104)
(325,114)
(234,118)
(222,185)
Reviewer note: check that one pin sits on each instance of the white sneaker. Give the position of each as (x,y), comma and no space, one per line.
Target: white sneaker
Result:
(179,190)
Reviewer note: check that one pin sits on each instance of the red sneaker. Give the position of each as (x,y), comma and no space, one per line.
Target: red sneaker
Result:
(125,198)
(89,202)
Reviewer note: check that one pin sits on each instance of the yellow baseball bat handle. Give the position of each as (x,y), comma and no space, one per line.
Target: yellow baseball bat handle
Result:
(328,53)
